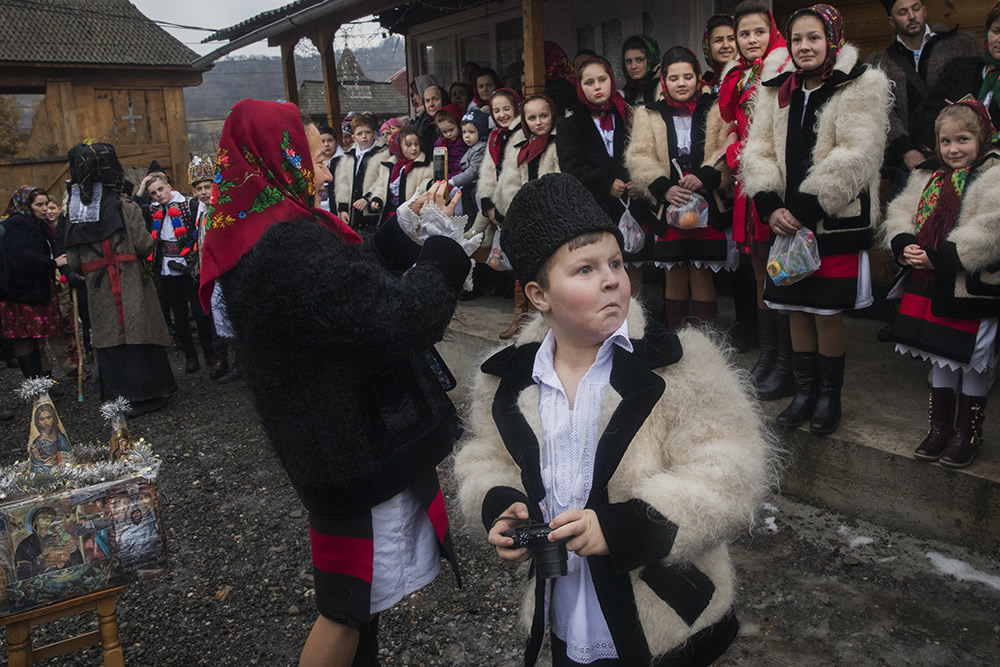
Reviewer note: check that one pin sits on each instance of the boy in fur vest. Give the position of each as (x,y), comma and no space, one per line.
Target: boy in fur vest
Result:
(354,177)
(573,426)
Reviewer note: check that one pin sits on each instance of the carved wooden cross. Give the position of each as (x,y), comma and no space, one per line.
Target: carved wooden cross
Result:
(131,117)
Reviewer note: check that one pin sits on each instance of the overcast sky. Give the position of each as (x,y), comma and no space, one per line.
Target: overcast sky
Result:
(218,15)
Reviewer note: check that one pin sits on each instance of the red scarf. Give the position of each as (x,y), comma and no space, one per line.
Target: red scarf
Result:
(735,92)
(402,164)
(498,137)
(263,175)
(833,26)
(682,108)
(536,144)
(607,110)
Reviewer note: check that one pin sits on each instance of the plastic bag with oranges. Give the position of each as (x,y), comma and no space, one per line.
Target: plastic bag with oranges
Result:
(692,215)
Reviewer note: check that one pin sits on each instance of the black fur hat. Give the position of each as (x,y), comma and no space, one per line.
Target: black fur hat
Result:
(545,214)
(888,5)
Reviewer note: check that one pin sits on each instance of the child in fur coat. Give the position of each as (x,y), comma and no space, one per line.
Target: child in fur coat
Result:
(639,448)
(406,173)
(505,113)
(950,304)
(524,161)
(591,146)
(812,160)
(666,155)
(355,175)
(449,124)
(759,44)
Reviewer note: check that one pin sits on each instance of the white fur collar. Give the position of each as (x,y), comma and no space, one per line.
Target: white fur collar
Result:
(847,59)
(775,63)
(535,329)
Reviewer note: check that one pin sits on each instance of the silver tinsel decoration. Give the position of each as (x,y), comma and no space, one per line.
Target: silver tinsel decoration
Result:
(115,409)
(90,467)
(32,387)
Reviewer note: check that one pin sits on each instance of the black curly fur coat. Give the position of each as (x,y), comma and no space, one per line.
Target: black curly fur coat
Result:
(331,339)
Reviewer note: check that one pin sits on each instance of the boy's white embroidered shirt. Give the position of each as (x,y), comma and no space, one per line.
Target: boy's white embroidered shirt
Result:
(568,449)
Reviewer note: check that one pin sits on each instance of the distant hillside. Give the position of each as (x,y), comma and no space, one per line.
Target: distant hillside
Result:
(260,77)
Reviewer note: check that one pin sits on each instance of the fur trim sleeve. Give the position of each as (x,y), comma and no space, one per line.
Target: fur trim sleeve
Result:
(482,462)
(717,134)
(379,186)
(371,175)
(715,450)
(509,181)
(899,214)
(760,168)
(977,234)
(860,126)
(487,184)
(641,156)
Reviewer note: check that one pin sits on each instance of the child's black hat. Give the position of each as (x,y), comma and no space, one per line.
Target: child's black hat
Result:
(545,214)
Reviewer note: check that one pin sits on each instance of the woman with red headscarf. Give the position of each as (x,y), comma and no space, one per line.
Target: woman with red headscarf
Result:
(943,228)
(812,161)
(29,310)
(336,342)
(760,43)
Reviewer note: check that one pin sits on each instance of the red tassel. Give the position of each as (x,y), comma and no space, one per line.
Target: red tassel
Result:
(174,212)
(180,231)
(158,214)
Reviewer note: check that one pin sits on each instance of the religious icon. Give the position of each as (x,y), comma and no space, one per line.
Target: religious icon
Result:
(114,413)
(137,531)
(48,446)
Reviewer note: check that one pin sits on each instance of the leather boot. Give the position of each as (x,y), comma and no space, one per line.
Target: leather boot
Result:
(31,364)
(675,312)
(780,382)
(521,308)
(968,436)
(743,333)
(941,415)
(803,403)
(704,312)
(767,334)
(826,416)
(219,368)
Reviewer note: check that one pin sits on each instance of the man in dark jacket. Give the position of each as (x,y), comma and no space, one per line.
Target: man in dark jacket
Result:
(915,63)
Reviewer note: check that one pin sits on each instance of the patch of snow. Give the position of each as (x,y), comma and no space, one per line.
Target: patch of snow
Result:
(887,559)
(769,507)
(854,541)
(770,524)
(961,570)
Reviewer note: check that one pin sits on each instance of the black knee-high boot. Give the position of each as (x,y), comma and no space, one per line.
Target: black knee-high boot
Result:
(780,382)
(367,654)
(767,333)
(826,416)
(744,333)
(803,403)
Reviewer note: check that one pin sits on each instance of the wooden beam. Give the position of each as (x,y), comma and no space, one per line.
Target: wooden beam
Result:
(288,69)
(331,87)
(180,155)
(534,47)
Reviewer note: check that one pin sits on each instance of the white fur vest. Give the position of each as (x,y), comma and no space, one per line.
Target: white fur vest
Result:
(512,176)
(838,182)
(682,445)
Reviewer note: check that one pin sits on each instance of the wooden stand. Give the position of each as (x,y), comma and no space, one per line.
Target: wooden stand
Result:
(20,652)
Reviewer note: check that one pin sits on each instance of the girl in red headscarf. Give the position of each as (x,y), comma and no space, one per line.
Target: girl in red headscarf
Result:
(449,125)
(759,42)
(591,146)
(667,161)
(812,161)
(529,154)
(29,310)
(406,172)
(943,229)
(337,348)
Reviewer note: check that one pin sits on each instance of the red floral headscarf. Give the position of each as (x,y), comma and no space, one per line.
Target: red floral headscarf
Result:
(731,94)
(536,144)
(498,137)
(615,101)
(833,26)
(557,63)
(264,175)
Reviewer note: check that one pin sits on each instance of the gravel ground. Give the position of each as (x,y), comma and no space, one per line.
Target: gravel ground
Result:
(815,588)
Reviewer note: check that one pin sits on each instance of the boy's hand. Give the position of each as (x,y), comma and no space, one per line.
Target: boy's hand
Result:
(360,204)
(582,529)
(503,544)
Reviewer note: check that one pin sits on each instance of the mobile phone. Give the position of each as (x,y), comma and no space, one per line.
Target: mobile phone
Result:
(441,163)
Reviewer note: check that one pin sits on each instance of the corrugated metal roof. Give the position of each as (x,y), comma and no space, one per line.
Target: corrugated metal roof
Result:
(98,32)
(260,20)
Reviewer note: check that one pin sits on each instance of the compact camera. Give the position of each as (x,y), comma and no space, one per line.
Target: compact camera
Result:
(550,557)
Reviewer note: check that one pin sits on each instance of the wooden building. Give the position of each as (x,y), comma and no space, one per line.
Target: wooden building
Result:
(107,73)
